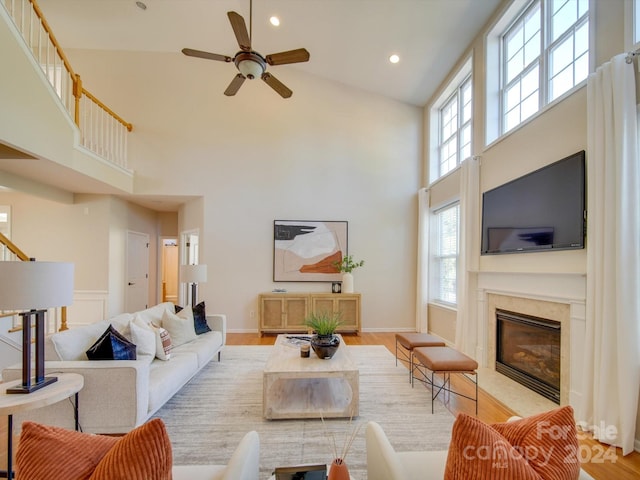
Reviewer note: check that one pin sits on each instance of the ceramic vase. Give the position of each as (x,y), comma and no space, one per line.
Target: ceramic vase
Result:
(338,470)
(347,283)
(325,346)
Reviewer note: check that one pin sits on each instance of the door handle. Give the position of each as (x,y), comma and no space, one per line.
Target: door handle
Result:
(131,283)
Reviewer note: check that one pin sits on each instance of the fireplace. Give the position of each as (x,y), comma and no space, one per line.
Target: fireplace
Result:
(528,351)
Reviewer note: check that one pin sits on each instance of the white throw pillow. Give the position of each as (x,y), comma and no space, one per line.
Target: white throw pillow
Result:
(72,344)
(144,338)
(163,342)
(154,314)
(181,330)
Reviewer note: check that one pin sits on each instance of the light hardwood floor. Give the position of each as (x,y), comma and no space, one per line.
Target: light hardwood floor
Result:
(490,410)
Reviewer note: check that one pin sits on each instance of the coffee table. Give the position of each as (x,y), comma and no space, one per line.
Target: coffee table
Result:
(296,387)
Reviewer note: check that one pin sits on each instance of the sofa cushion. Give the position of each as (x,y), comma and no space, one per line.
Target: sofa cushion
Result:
(112,345)
(72,344)
(167,378)
(199,315)
(45,452)
(142,454)
(163,342)
(180,329)
(144,339)
(552,436)
(154,314)
(200,319)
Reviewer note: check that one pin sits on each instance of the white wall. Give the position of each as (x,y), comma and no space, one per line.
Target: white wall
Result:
(90,233)
(328,153)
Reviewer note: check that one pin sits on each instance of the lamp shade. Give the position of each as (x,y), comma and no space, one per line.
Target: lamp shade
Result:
(193,273)
(35,285)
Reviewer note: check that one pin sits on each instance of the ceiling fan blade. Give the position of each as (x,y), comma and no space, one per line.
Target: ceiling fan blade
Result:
(277,85)
(291,56)
(240,31)
(235,85)
(209,56)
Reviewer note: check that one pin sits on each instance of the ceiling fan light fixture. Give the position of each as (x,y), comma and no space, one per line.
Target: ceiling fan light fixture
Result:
(250,64)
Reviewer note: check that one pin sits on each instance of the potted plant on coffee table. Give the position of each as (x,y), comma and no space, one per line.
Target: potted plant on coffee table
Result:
(324,324)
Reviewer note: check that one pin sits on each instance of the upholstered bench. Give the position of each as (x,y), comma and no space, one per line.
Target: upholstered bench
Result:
(409,341)
(444,360)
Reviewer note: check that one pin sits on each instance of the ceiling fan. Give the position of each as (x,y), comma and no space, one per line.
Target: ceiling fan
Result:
(250,63)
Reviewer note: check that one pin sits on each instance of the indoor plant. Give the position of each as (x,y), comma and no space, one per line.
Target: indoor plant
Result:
(324,324)
(346,266)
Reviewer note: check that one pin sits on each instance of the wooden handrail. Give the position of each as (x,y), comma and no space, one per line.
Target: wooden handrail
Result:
(128,126)
(13,249)
(54,41)
(78,90)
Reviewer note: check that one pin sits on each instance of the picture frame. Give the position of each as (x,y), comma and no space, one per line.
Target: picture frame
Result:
(305,250)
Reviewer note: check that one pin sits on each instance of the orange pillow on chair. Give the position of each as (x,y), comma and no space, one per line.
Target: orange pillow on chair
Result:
(478,452)
(549,440)
(543,446)
(45,452)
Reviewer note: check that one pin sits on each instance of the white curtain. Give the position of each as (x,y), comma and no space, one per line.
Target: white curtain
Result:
(468,254)
(422,294)
(611,358)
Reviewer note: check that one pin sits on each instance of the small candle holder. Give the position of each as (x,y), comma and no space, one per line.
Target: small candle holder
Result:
(305,350)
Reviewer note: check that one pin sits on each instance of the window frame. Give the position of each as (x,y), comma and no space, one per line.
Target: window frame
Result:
(495,120)
(436,257)
(454,88)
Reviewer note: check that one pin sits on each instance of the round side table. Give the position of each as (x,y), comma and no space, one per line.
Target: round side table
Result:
(11,403)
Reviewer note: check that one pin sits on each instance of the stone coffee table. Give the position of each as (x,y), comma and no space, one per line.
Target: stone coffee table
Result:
(296,387)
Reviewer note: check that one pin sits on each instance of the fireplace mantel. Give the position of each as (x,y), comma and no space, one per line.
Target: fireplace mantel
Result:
(559,297)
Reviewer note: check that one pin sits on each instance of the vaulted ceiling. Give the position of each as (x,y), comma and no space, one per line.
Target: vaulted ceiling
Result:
(350,41)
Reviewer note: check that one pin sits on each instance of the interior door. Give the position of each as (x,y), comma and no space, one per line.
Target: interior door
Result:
(137,275)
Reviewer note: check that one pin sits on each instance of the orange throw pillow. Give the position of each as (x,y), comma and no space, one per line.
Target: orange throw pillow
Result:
(478,452)
(45,452)
(549,441)
(142,454)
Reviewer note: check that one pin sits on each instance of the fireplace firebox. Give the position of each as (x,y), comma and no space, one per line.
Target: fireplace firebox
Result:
(528,351)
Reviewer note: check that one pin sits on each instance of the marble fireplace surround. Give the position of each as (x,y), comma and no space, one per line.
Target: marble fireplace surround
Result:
(558,297)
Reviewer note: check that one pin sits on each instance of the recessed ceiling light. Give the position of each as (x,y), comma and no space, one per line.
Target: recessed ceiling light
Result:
(394,58)
(141,5)
(275,21)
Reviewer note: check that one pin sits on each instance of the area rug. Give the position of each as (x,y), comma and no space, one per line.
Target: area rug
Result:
(210,415)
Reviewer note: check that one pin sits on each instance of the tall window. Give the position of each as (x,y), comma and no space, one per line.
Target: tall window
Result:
(544,53)
(455,128)
(450,123)
(445,254)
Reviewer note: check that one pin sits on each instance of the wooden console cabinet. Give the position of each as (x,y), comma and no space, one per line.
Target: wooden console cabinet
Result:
(285,312)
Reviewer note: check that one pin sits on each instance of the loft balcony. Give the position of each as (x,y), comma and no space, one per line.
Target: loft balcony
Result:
(52,130)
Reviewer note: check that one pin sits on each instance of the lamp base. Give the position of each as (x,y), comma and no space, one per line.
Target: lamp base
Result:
(33,386)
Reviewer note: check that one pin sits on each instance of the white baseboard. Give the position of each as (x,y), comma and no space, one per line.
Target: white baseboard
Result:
(388,330)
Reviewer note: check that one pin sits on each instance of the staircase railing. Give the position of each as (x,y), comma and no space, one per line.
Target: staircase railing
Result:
(19,255)
(102,131)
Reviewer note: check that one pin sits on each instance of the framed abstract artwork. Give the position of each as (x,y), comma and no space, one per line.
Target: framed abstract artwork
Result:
(305,251)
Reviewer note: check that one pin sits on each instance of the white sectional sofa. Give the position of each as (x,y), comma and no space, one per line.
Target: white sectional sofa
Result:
(119,395)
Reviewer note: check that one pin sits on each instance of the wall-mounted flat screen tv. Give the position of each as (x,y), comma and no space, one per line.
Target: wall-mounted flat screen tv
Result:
(543,210)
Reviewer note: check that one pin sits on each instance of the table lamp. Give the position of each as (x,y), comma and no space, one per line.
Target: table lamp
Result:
(34,287)
(193,274)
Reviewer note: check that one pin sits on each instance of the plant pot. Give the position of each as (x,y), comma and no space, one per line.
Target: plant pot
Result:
(325,346)
(347,283)
(338,470)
